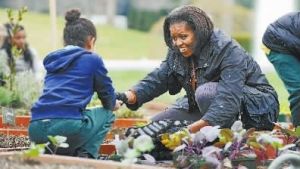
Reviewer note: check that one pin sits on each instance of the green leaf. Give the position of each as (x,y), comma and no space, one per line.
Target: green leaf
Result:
(255,145)
(298,131)
(60,139)
(143,143)
(35,150)
(53,140)
(64,145)
(226,135)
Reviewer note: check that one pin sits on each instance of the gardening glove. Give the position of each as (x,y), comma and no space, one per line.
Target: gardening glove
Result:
(122,97)
(156,128)
(152,129)
(171,141)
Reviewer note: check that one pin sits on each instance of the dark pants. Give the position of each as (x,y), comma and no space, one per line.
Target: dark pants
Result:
(180,109)
(84,135)
(288,69)
(259,109)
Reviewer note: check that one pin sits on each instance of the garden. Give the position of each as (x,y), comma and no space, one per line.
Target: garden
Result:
(134,141)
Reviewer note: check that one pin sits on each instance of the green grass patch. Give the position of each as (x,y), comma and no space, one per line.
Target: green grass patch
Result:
(281,91)
(112,43)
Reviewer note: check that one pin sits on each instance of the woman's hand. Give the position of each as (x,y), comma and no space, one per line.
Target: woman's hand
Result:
(196,126)
(127,97)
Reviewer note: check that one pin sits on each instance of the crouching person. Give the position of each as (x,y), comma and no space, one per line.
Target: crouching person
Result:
(74,73)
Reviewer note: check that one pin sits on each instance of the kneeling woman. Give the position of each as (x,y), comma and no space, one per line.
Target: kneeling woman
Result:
(222,82)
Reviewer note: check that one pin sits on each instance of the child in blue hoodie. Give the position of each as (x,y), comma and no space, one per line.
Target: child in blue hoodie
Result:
(74,73)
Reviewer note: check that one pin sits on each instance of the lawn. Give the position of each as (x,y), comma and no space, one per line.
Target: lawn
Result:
(112,43)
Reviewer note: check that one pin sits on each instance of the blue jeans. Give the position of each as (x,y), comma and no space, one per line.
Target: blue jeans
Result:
(288,69)
(84,135)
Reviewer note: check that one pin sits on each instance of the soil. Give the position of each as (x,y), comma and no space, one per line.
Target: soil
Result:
(11,141)
(17,162)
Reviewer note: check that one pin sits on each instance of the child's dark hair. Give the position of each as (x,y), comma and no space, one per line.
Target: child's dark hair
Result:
(77,29)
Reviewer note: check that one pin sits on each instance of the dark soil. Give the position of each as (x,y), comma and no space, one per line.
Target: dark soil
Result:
(11,141)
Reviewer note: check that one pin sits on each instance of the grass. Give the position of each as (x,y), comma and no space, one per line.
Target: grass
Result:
(112,43)
(275,81)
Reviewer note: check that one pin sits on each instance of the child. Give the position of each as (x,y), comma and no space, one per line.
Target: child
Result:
(74,73)
(282,47)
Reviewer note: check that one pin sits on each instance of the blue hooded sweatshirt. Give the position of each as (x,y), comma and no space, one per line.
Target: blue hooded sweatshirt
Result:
(73,75)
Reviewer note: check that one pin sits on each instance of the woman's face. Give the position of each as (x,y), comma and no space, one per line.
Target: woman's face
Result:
(19,39)
(183,38)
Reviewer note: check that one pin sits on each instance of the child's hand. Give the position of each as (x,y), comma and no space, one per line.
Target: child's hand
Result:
(118,105)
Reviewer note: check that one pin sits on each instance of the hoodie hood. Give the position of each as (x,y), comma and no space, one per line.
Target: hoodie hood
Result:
(61,60)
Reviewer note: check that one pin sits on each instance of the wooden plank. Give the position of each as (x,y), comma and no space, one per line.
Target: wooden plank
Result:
(99,164)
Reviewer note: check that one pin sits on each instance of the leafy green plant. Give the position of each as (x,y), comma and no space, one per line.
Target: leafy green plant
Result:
(15,23)
(24,82)
(130,149)
(57,142)
(38,149)
(126,113)
(35,150)
(9,98)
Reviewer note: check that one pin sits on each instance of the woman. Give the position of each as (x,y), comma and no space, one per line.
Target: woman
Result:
(220,79)
(282,41)
(27,60)
(74,73)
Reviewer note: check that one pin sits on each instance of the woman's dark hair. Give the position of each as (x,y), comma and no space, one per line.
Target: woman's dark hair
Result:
(7,45)
(195,18)
(77,29)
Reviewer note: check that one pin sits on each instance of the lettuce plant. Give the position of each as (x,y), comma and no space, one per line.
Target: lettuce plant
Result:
(131,149)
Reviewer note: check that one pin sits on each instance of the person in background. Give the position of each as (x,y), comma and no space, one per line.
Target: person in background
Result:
(27,60)
(281,43)
(74,73)
(222,82)
(3,35)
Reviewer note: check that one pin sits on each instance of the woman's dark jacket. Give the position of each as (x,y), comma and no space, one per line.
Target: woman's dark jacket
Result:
(283,35)
(221,60)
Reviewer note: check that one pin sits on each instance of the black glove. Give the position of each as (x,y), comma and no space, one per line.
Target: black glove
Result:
(122,97)
(156,128)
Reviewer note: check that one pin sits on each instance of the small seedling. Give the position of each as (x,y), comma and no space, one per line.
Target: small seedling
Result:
(35,150)
(57,142)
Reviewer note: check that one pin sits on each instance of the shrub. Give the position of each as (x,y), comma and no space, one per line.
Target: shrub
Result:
(244,39)
(143,19)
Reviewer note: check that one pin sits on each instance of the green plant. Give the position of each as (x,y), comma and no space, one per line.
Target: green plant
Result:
(126,113)
(38,149)
(142,19)
(57,142)
(35,150)
(9,98)
(14,22)
(129,149)
(24,82)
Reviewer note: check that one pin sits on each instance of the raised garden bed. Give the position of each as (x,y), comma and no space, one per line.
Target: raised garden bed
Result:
(22,122)
(12,160)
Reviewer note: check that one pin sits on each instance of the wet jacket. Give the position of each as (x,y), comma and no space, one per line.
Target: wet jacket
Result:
(73,75)
(283,35)
(221,60)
